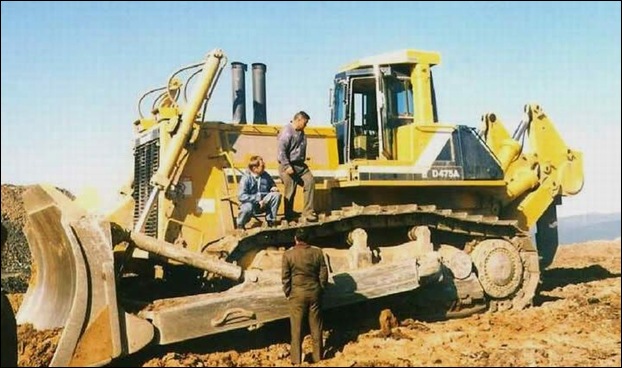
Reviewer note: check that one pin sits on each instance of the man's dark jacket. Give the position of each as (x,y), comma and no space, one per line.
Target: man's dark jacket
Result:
(304,270)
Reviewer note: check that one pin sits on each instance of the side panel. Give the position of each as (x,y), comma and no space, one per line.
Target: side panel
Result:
(438,152)
(203,204)
(194,212)
(476,159)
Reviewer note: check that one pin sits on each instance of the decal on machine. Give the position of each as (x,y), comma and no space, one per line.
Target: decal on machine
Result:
(206,205)
(186,186)
(444,173)
(410,173)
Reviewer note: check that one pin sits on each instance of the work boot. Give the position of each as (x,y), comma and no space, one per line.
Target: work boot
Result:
(311,217)
(292,216)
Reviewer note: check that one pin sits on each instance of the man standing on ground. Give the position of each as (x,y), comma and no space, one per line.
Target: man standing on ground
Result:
(257,193)
(304,275)
(293,170)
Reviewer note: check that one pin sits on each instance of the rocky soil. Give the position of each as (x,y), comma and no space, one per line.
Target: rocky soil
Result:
(15,255)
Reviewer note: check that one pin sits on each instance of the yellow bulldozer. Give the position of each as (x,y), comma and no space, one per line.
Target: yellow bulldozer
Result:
(406,203)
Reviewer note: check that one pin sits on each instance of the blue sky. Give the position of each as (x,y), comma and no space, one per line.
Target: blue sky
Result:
(72,73)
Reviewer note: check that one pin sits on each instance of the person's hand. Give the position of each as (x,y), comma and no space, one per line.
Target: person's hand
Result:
(289,171)
(261,203)
(274,189)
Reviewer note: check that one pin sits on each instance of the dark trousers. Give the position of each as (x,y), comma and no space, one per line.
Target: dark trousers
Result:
(306,306)
(302,176)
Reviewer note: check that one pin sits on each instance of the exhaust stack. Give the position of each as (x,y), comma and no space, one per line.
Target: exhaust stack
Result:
(238,71)
(259,94)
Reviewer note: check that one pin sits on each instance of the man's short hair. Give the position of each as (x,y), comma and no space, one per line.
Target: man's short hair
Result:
(254,162)
(303,234)
(301,114)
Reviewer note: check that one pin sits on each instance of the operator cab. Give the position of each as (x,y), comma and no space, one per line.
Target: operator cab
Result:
(372,98)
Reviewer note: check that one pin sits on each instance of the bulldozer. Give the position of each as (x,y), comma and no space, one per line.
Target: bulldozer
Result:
(407,205)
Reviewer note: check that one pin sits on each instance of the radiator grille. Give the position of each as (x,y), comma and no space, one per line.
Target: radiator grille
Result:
(146,162)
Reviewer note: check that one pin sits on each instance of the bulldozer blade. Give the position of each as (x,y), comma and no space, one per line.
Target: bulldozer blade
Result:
(73,283)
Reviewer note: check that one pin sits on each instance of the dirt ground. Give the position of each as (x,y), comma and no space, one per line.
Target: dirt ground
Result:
(575,322)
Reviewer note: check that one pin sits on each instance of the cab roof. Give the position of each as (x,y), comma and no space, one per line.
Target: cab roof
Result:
(408,56)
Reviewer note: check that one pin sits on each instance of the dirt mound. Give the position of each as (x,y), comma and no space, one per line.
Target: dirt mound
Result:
(387,322)
(36,348)
(16,254)
(273,357)
(16,261)
(12,208)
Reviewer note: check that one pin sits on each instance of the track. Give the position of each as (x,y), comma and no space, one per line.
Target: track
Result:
(505,259)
